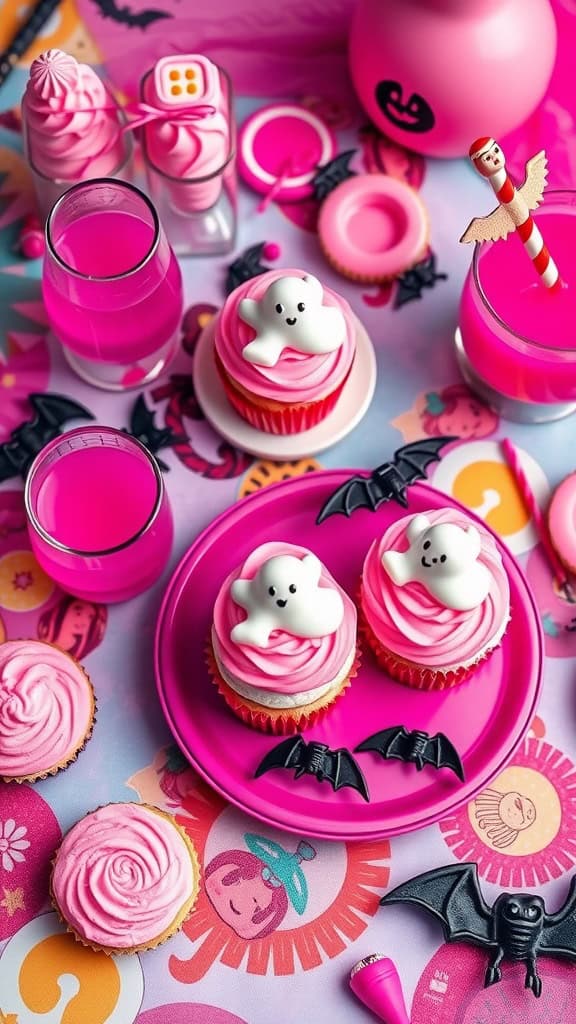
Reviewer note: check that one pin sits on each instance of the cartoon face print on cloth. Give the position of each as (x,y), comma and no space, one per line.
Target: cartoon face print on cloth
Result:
(290,314)
(444,559)
(285,595)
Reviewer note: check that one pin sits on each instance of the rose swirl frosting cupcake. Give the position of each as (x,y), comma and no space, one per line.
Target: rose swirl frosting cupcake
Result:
(47,710)
(283,639)
(435,598)
(284,346)
(124,878)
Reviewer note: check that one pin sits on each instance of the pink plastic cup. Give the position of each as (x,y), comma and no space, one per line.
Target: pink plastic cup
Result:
(111,284)
(516,343)
(98,516)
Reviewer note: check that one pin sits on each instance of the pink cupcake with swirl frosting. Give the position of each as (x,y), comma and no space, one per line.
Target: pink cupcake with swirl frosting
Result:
(47,710)
(434,599)
(283,639)
(125,878)
(284,347)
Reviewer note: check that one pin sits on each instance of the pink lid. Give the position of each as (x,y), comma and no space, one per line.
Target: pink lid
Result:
(562,520)
(284,141)
(373,227)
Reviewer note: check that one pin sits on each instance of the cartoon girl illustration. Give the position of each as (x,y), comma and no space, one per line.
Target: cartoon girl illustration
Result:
(503,816)
(74,625)
(251,891)
(455,411)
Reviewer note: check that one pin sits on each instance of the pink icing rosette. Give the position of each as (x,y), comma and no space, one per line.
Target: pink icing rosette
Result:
(297,377)
(288,665)
(73,128)
(122,876)
(411,624)
(46,708)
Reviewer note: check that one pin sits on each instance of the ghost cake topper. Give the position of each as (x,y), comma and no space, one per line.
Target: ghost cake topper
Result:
(290,314)
(285,594)
(444,559)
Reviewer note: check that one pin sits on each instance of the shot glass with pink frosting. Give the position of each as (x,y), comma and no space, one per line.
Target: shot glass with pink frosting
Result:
(187,133)
(73,127)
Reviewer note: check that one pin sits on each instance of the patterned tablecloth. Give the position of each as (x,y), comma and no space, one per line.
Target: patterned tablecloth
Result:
(521,831)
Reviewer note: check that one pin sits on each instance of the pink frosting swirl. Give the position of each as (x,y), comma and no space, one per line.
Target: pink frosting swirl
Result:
(413,624)
(296,377)
(46,708)
(73,130)
(121,876)
(289,664)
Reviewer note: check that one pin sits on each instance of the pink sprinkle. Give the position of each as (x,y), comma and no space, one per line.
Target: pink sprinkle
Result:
(271,251)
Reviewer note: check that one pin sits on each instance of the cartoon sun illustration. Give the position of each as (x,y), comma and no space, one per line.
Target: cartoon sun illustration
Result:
(23,584)
(264,473)
(520,830)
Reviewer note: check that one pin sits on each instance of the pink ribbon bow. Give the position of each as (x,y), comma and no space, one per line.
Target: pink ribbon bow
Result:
(144,113)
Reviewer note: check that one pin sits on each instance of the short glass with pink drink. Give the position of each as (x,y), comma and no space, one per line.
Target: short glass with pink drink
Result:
(98,516)
(111,284)
(516,342)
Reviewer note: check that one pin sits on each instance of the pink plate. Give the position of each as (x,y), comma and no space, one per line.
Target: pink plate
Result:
(485,717)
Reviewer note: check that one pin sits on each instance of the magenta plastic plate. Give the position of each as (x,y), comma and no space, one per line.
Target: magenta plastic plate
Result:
(485,717)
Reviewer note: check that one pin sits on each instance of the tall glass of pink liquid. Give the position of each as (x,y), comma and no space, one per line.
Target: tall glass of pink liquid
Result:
(111,284)
(98,516)
(516,343)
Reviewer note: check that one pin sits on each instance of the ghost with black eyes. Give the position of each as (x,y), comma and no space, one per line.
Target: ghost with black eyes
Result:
(444,559)
(285,595)
(291,314)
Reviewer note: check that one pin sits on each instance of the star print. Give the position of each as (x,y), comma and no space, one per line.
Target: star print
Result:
(13,901)
(22,580)
(8,1018)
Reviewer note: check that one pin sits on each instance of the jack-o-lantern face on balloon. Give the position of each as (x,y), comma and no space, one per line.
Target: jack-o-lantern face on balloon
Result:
(413,115)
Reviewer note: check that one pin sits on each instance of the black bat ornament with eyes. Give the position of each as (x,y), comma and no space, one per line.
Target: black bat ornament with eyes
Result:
(515,928)
(414,747)
(388,482)
(338,767)
(50,413)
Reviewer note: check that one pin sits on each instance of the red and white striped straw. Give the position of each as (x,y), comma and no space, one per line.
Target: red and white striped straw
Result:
(489,161)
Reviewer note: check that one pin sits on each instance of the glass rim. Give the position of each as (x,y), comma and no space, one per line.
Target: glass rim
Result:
(553,194)
(119,184)
(36,465)
(205,177)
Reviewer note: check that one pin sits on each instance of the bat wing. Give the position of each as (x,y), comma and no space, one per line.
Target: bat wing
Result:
(452,895)
(285,755)
(492,228)
(443,754)
(353,494)
(57,409)
(245,267)
(329,175)
(536,174)
(559,934)
(388,743)
(7,468)
(346,772)
(412,460)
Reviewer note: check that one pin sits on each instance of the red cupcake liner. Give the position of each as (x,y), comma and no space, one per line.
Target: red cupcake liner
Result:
(277,721)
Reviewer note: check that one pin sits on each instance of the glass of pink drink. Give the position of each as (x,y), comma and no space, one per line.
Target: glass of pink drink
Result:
(516,344)
(98,516)
(111,284)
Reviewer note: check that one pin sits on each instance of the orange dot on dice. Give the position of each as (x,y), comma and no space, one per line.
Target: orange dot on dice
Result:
(175,90)
(190,73)
(191,89)
(174,75)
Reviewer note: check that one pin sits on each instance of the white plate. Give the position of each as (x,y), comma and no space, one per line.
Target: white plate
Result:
(349,410)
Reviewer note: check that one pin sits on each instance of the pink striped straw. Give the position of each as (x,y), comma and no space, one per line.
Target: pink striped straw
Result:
(512,457)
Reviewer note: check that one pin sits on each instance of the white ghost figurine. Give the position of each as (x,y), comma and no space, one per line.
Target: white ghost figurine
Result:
(444,559)
(285,595)
(290,314)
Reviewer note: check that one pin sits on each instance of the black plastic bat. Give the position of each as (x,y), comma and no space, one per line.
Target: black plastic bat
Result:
(412,282)
(50,413)
(245,267)
(143,429)
(515,928)
(338,767)
(329,175)
(125,16)
(387,482)
(414,747)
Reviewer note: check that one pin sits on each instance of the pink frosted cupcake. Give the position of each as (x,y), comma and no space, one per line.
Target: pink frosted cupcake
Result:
(284,346)
(435,598)
(46,710)
(125,878)
(283,639)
